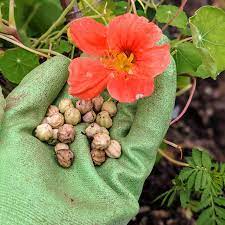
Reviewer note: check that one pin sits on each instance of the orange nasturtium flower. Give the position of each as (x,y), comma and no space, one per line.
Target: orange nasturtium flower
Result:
(124,58)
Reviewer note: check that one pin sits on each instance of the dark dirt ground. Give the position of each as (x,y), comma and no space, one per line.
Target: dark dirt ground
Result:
(202,126)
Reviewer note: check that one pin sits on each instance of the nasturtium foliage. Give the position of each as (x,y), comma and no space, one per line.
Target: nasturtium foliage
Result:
(195,61)
(104,7)
(20,10)
(63,46)
(16,63)
(120,8)
(187,58)
(165,13)
(45,15)
(208,32)
(183,81)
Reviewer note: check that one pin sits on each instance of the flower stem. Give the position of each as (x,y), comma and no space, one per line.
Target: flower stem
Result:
(178,147)
(19,44)
(183,90)
(12,22)
(72,52)
(133,6)
(188,102)
(59,34)
(178,163)
(95,10)
(58,22)
(49,51)
(176,14)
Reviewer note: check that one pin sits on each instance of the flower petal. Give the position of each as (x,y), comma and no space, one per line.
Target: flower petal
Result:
(87,78)
(131,32)
(89,36)
(153,61)
(130,90)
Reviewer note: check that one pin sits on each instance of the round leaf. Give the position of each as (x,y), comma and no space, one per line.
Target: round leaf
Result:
(208,31)
(16,63)
(165,13)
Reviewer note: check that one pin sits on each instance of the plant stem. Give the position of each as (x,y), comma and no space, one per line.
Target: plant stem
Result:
(19,44)
(72,52)
(49,51)
(58,22)
(59,34)
(12,22)
(74,13)
(133,6)
(176,14)
(178,163)
(184,90)
(95,10)
(35,8)
(174,146)
(188,102)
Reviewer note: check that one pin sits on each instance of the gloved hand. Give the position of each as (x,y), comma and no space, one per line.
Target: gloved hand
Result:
(35,190)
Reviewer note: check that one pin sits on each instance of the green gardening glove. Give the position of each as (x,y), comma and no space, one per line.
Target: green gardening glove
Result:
(34,190)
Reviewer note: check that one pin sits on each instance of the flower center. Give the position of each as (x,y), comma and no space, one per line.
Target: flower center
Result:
(121,62)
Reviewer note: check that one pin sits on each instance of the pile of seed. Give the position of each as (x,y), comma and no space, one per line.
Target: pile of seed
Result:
(57,128)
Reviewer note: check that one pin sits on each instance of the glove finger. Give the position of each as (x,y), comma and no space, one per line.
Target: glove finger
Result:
(123,120)
(30,100)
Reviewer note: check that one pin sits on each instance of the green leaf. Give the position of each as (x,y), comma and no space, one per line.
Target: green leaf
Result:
(208,67)
(171,198)
(205,194)
(220,201)
(140,12)
(192,60)
(46,14)
(222,169)
(204,179)
(16,63)
(183,81)
(206,160)
(208,31)
(184,197)
(220,221)
(187,58)
(190,161)
(165,13)
(42,18)
(64,46)
(168,193)
(198,180)
(220,212)
(204,204)
(105,7)
(185,173)
(191,180)
(197,157)
(205,217)
(120,8)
